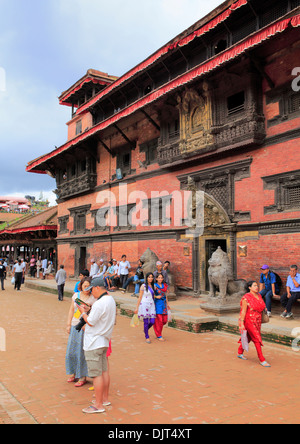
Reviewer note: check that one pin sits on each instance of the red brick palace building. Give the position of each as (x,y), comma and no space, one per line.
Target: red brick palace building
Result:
(217,109)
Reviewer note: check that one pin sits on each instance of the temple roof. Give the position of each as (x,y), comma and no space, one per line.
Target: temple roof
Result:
(82,90)
(205,25)
(46,220)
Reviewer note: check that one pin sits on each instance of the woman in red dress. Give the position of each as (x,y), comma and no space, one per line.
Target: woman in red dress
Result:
(252,306)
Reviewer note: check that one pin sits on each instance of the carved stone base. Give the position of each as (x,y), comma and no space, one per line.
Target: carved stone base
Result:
(220,306)
(172,293)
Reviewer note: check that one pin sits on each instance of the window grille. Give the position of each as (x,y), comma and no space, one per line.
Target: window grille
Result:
(244,31)
(293,196)
(294,103)
(274,13)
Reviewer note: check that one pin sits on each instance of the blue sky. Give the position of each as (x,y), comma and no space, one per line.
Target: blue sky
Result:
(47,45)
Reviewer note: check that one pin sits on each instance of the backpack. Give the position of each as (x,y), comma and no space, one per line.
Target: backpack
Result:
(278,284)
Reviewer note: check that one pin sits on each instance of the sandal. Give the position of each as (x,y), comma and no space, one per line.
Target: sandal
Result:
(242,357)
(105,404)
(148,341)
(161,339)
(80,383)
(72,379)
(92,410)
(265,364)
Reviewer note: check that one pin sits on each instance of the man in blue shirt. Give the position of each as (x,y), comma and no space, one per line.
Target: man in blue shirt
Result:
(268,287)
(293,292)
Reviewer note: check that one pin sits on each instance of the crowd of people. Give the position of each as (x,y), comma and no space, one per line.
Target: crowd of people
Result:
(92,313)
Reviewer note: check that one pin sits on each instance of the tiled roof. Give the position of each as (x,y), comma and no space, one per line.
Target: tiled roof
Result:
(46,218)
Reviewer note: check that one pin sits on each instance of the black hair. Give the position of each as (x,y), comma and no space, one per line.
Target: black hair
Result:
(249,285)
(160,274)
(295,267)
(146,281)
(85,273)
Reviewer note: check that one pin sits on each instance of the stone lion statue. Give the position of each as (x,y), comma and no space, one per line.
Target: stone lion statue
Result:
(220,276)
(149,258)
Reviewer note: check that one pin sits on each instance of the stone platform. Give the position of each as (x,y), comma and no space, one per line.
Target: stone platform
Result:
(187,314)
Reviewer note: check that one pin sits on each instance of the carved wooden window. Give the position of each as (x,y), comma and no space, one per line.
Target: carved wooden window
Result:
(101,219)
(124,162)
(294,103)
(173,129)
(63,224)
(79,217)
(287,192)
(124,215)
(288,104)
(150,149)
(158,211)
(236,103)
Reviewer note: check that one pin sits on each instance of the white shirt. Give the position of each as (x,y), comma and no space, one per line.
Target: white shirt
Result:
(122,267)
(94,269)
(44,263)
(18,268)
(102,318)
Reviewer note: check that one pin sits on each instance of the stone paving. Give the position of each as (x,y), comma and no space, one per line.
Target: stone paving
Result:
(189,379)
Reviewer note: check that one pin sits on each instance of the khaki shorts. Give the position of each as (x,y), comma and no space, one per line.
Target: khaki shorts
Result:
(96,362)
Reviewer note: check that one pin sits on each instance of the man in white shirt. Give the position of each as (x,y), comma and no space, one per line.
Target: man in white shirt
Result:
(123,272)
(94,268)
(18,271)
(44,266)
(98,331)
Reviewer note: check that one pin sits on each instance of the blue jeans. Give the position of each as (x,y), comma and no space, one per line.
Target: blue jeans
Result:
(268,295)
(137,286)
(134,279)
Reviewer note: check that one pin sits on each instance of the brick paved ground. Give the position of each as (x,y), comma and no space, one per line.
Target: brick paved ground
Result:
(189,379)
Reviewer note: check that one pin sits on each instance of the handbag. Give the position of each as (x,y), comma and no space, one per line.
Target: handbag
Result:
(264,317)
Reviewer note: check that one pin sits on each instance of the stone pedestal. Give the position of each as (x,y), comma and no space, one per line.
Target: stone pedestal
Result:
(221,306)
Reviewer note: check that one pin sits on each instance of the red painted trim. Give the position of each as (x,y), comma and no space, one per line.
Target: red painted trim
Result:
(88,80)
(158,54)
(201,70)
(25,230)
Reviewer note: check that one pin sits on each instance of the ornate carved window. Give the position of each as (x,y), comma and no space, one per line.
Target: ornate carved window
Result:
(150,149)
(158,211)
(288,104)
(219,182)
(79,217)
(124,217)
(63,224)
(100,216)
(287,192)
